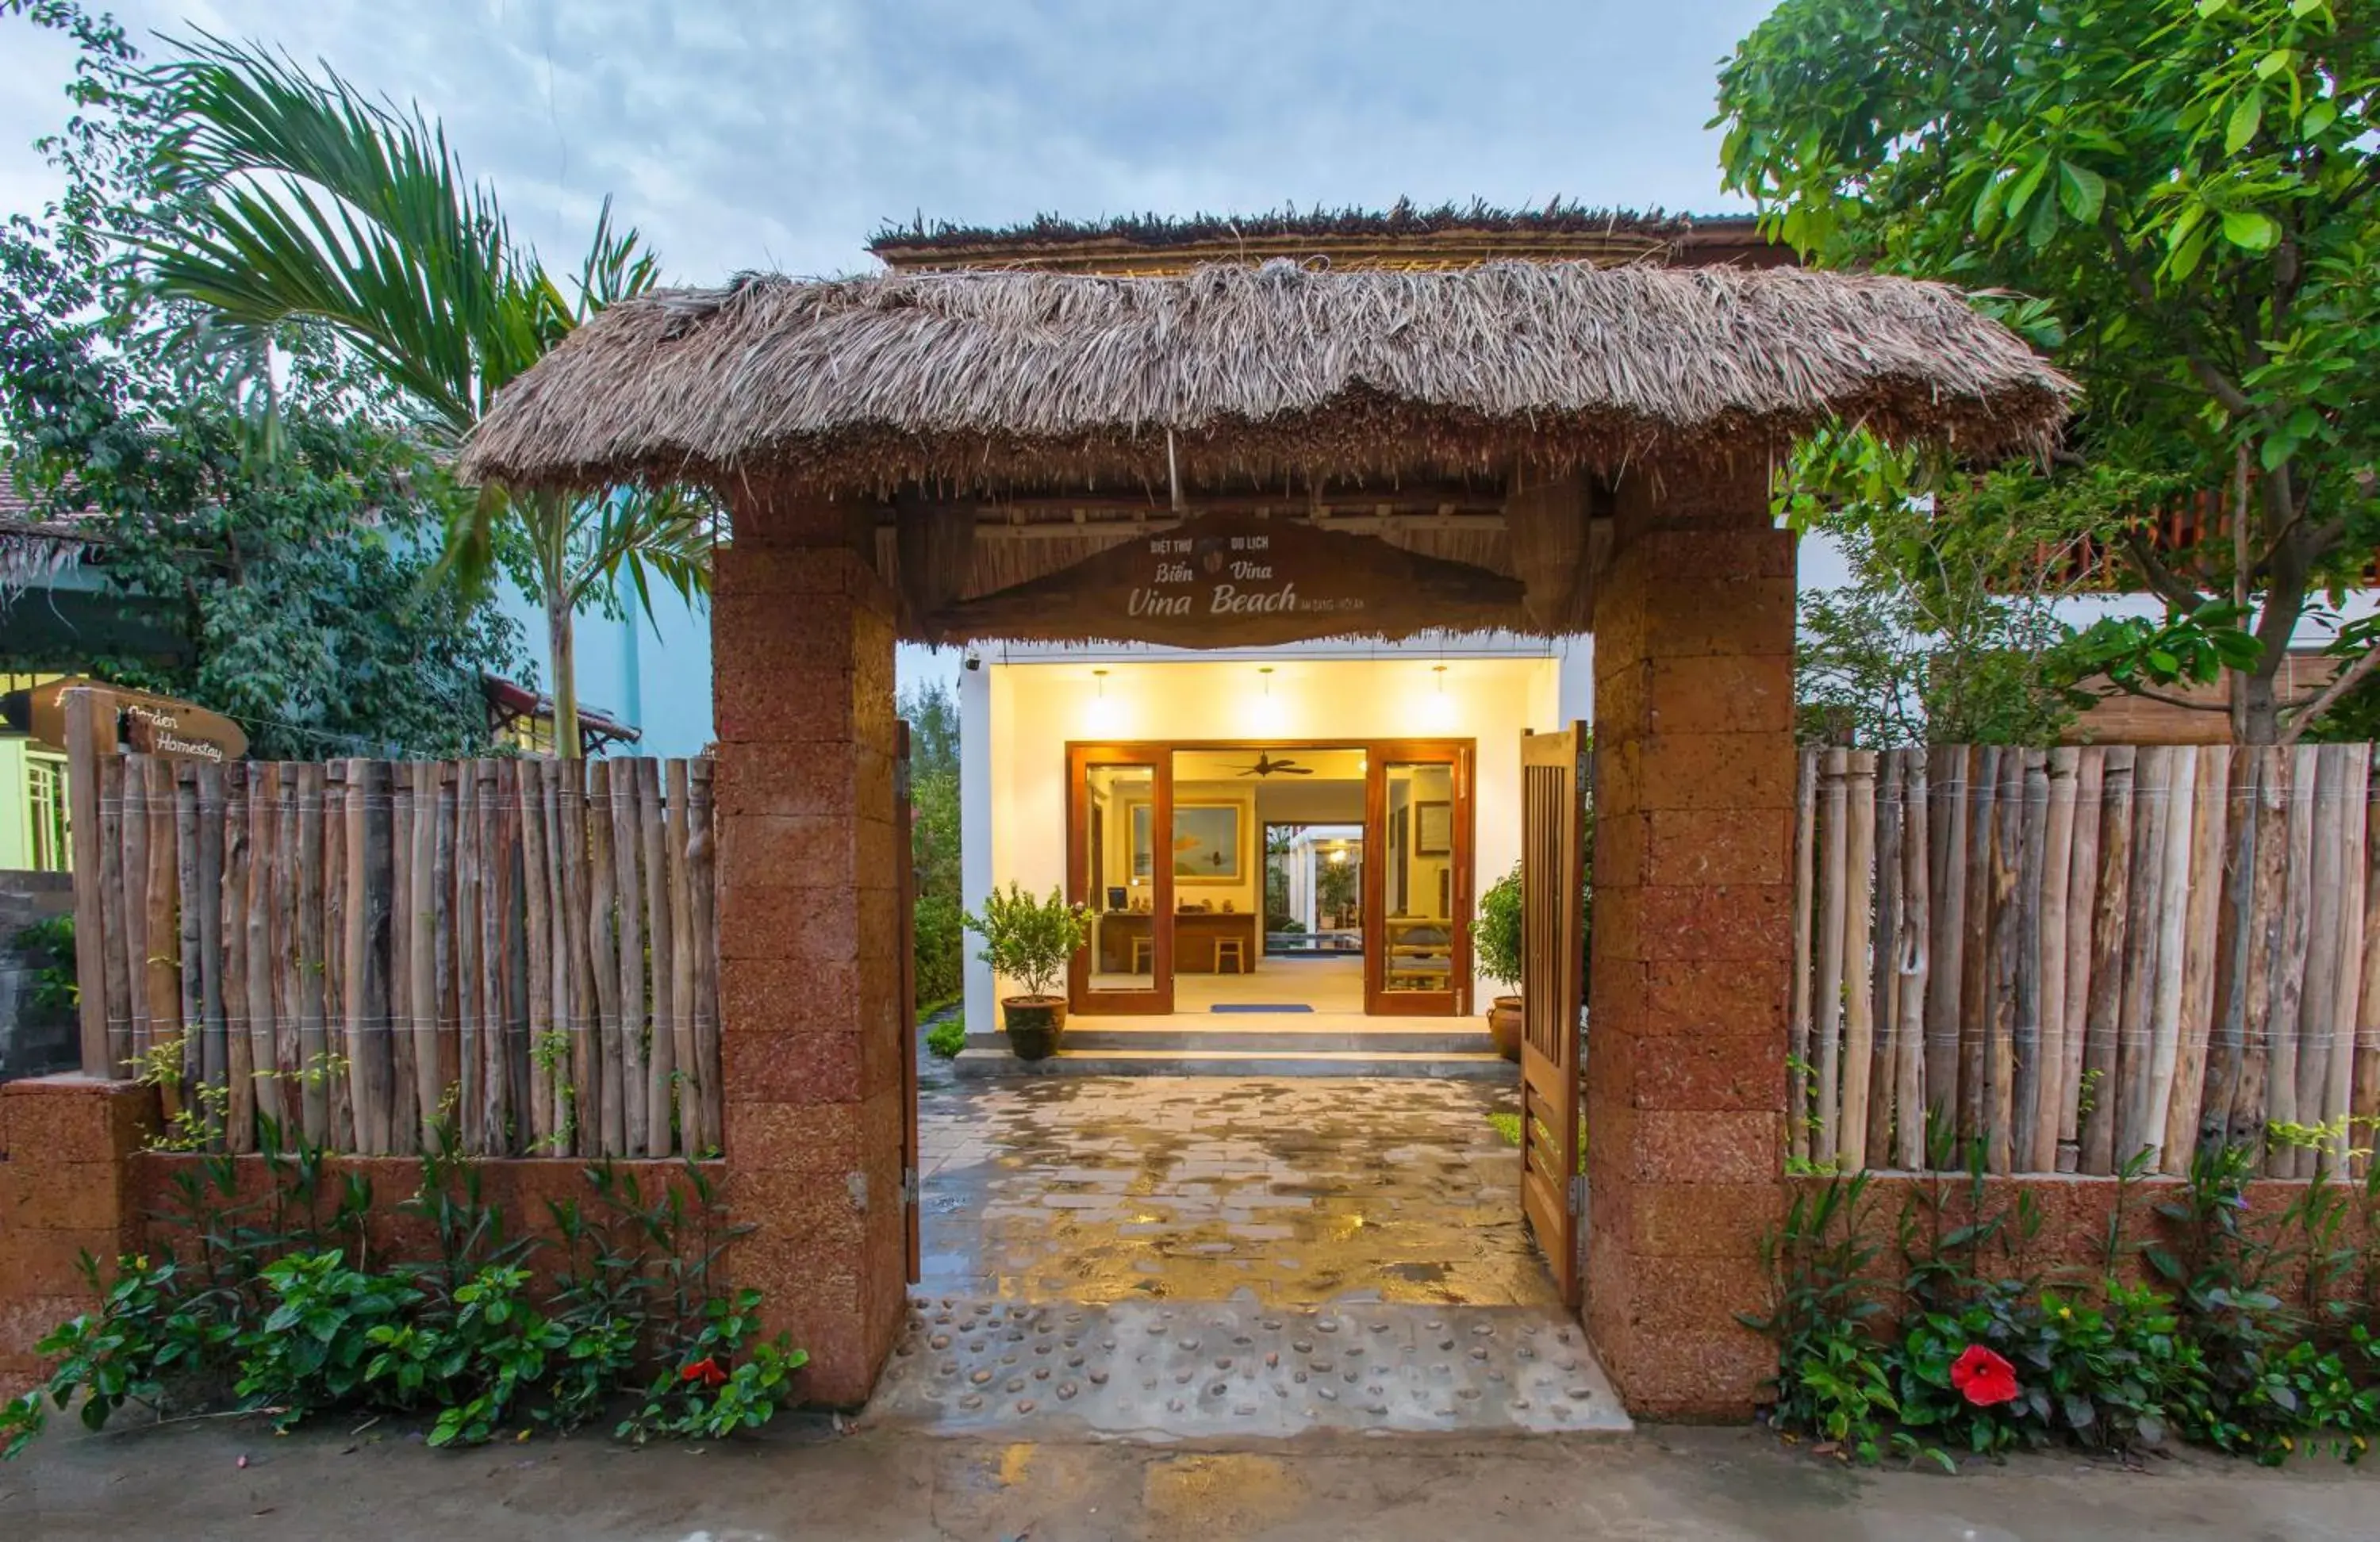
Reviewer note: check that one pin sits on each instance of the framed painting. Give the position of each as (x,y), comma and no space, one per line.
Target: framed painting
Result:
(1433,829)
(1206,843)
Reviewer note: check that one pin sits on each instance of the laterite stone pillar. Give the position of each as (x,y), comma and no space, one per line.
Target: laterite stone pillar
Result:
(809,935)
(67,1146)
(1685,1050)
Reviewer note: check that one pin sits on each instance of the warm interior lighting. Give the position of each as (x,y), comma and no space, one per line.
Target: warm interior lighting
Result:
(1339,855)
(1435,709)
(1266,714)
(1100,714)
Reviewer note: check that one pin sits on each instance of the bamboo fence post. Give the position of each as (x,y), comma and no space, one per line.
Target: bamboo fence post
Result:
(692,1136)
(2209,814)
(1911,954)
(1948,831)
(537,941)
(314,1055)
(162,932)
(2082,897)
(603,946)
(2227,1033)
(2253,1107)
(2354,783)
(661,1058)
(404,1074)
(114,962)
(239,1051)
(2284,1079)
(336,896)
(1797,1049)
(207,899)
(2025,1041)
(2317,1030)
(470,1051)
(495,1055)
(2111,912)
(188,943)
(700,847)
(266,867)
(628,893)
(2364,1099)
(1834,797)
(135,909)
(88,725)
(2173,935)
(1859,1021)
(1884,978)
(442,1117)
(2057,850)
(369,1023)
(567,905)
(425,1006)
(289,1063)
(586,1022)
(2007,923)
(520,1072)
(2136,1033)
(1975,988)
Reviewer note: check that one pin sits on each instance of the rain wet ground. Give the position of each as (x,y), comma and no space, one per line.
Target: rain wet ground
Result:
(1280,1192)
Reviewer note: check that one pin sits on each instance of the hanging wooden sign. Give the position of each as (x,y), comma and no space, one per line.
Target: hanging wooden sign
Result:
(148,722)
(1230,579)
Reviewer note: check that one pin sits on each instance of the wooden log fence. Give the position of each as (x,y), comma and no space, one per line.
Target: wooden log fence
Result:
(2078,959)
(514,955)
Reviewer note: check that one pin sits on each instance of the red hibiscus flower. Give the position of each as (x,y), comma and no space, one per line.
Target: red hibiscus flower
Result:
(1982,1378)
(707,1371)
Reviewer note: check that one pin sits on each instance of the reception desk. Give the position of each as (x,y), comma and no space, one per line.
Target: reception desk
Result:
(1196,934)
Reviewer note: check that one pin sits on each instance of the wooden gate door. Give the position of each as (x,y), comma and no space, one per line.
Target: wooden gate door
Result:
(1553,881)
(904,830)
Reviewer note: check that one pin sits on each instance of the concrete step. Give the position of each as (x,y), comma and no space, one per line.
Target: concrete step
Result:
(1350,1036)
(1075,1061)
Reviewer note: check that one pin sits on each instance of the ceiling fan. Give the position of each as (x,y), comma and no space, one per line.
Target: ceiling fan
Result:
(1266,766)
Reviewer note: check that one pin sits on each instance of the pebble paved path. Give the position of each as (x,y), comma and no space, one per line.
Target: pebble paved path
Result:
(1149,1371)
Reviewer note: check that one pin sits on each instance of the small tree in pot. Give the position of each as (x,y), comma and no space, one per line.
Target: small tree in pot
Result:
(1029,941)
(1497,940)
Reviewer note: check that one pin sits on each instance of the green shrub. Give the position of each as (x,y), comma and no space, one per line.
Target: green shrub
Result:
(1496,936)
(947,1037)
(1028,939)
(278,1311)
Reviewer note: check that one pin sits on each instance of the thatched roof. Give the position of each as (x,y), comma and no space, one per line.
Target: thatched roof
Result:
(1403,236)
(990,379)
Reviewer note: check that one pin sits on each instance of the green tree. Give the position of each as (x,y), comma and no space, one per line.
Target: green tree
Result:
(301,201)
(939,947)
(301,586)
(1949,632)
(2179,196)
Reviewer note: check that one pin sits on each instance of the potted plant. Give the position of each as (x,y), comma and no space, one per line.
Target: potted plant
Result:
(1497,940)
(1029,941)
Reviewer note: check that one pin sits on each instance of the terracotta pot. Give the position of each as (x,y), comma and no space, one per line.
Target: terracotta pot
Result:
(1035,1024)
(1504,1026)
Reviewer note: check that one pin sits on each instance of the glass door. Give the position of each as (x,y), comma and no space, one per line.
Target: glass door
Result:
(1120,810)
(1417,879)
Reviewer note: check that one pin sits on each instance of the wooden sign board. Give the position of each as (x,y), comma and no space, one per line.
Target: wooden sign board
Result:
(148,722)
(1230,579)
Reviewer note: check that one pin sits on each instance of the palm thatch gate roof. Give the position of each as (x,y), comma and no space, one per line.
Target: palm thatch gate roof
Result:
(1012,404)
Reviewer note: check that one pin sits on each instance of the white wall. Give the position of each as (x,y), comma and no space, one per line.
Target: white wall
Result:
(1020,716)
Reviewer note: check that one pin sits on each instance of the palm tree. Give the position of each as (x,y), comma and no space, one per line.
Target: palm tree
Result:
(307,202)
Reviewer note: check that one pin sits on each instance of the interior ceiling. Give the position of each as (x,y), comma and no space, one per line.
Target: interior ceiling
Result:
(1227,765)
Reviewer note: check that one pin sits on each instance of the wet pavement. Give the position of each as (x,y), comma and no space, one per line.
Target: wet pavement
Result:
(1274,1193)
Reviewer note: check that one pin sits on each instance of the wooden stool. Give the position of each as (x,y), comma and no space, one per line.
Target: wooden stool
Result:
(1143,953)
(1234,950)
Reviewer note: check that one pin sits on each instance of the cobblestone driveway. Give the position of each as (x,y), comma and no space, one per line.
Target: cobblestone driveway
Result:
(1283,1192)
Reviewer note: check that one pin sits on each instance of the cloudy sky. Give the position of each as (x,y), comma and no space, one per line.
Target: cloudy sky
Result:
(780,133)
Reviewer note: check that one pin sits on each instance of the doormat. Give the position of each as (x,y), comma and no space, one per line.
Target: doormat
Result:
(1259,1007)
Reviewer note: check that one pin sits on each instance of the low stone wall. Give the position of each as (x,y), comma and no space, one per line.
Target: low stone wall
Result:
(76,1177)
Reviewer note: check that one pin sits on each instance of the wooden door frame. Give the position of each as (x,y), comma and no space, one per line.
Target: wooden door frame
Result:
(1157,1000)
(1460,756)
